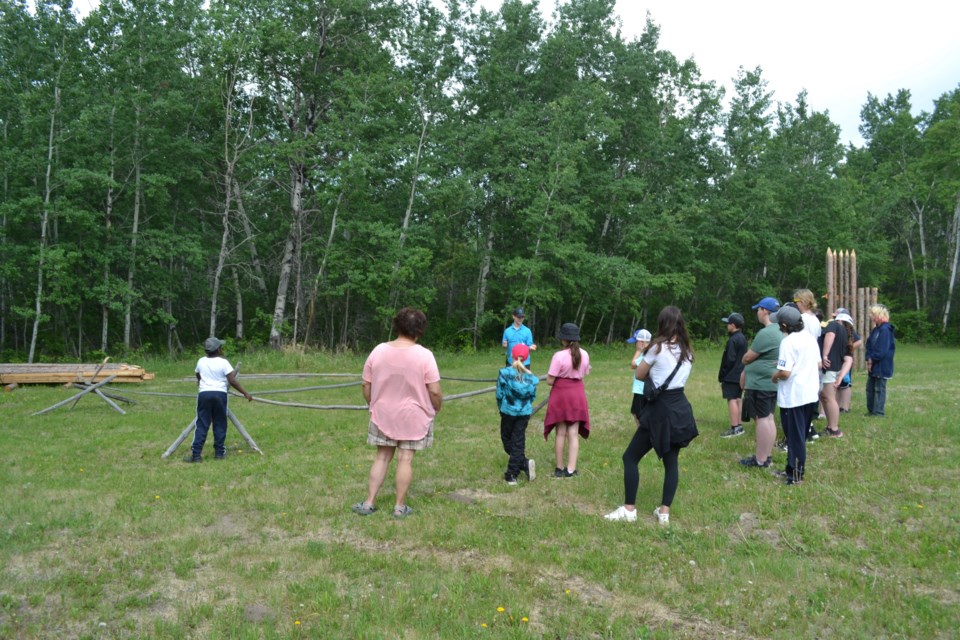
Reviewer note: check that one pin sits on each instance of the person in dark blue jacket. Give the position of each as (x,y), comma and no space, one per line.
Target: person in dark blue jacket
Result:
(881,346)
(516,391)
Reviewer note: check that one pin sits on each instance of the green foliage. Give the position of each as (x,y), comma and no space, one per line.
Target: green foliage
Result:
(365,154)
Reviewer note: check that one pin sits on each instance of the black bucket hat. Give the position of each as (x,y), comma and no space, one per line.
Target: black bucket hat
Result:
(569,332)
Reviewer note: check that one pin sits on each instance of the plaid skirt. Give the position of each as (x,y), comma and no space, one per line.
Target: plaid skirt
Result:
(380,439)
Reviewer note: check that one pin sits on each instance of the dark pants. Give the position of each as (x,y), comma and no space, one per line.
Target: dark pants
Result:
(640,446)
(795,421)
(513,435)
(211,410)
(876,395)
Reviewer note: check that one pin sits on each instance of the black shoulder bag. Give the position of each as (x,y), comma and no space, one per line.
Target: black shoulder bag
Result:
(651,392)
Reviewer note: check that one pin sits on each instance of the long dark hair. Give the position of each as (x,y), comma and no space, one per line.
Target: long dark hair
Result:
(850,340)
(574,346)
(671,329)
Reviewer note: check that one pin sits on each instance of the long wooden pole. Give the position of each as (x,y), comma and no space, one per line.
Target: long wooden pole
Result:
(183,436)
(72,398)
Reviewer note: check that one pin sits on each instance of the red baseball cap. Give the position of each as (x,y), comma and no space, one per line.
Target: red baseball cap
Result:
(521,351)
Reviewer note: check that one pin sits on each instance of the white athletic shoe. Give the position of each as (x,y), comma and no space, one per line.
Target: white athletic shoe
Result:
(662,518)
(622,514)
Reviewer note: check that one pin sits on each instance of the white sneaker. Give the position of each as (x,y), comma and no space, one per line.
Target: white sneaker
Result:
(622,514)
(662,518)
(531,470)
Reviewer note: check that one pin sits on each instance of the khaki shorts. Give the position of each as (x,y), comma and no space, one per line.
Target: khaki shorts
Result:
(380,439)
(828,377)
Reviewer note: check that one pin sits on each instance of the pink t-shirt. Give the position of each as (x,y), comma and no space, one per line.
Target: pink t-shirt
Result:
(561,365)
(399,401)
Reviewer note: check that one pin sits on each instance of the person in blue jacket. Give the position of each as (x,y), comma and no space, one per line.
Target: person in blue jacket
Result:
(516,391)
(881,346)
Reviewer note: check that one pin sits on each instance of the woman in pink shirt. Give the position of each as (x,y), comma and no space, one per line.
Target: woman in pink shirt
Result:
(401,384)
(567,409)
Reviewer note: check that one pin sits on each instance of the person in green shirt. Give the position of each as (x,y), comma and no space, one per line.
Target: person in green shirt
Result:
(760,399)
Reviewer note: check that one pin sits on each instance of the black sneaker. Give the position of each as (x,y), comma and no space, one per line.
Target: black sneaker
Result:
(732,432)
(193,459)
(220,456)
(812,435)
(559,473)
(571,474)
(753,462)
(792,481)
(781,444)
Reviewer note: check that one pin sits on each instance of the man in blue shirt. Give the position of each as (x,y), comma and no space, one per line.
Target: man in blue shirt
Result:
(517,333)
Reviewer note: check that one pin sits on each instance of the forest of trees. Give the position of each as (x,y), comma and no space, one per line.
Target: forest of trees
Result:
(289,173)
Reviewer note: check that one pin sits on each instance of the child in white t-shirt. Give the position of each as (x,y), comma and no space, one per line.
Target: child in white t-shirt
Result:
(214,374)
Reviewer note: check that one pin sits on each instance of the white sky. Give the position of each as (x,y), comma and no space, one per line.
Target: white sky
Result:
(838,51)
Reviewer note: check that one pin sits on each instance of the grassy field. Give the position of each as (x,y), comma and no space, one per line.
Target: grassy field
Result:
(101,538)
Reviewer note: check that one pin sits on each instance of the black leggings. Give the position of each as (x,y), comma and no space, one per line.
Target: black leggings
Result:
(639,447)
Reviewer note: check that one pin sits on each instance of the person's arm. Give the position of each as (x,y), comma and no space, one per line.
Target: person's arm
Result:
(780,374)
(643,370)
(366,387)
(550,380)
(198,377)
(743,379)
(749,356)
(633,360)
(844,370)
(232,379)
(828,339)
(436,396)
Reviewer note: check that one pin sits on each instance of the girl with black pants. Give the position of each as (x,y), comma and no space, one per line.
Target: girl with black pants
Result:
(667,424)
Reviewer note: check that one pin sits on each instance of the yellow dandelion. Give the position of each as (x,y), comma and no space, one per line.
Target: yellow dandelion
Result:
(296,622)
(499,609)
(919,506)
(81,469)
(484,625)
(567,592)
(524,619)
(156,497)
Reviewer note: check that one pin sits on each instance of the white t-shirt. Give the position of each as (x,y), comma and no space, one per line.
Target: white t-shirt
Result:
(800,355)
(213,373)
(811,324)
(663,363)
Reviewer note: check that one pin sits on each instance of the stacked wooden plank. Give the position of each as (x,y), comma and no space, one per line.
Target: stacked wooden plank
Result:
(64,373)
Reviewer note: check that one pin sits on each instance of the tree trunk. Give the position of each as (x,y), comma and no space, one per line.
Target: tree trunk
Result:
(221,260)
(913,270)
(44,222)
(258,278)
(482,286)
(236,287)
(956,258)
(311,314)
(134,231)
(404,227)
(107,225)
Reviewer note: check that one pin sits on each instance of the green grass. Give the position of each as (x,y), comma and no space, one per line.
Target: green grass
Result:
(101,538)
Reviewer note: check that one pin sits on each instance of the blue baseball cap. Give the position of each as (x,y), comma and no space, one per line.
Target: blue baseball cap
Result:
(768,303)
(640,334)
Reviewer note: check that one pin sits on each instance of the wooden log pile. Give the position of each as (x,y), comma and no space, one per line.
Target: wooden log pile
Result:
(67,373)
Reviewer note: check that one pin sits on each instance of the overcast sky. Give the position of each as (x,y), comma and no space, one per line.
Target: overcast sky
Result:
(838,51)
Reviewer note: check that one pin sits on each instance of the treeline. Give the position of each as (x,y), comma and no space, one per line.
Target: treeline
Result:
(288,172)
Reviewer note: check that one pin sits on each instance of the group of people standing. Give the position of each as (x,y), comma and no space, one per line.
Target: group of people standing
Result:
(797,362)
(792,364)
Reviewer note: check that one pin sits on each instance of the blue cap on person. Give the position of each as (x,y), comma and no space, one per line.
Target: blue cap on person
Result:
(518,312)
(521,351)
(640,335)
(768,303)
(212,344)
